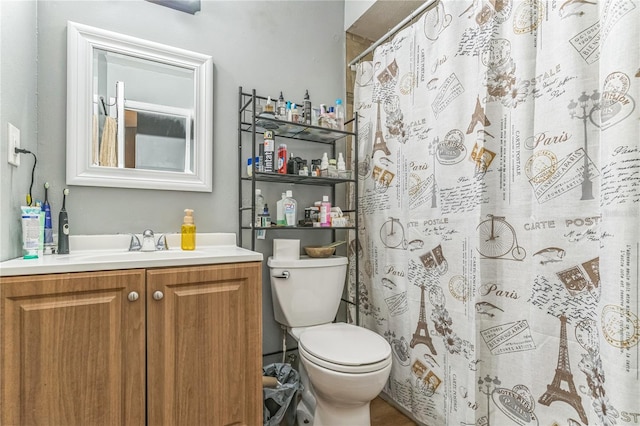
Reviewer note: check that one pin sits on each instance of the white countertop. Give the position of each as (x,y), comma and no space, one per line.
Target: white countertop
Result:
(109,252)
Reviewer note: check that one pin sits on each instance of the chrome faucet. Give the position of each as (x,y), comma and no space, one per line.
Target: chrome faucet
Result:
(148,242)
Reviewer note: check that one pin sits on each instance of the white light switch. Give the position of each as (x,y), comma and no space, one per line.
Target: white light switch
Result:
(13,142)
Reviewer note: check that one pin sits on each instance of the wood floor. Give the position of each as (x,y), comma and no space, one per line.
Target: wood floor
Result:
(385,414)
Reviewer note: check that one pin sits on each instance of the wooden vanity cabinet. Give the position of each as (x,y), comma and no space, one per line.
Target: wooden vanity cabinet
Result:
(205,352)
(80,349)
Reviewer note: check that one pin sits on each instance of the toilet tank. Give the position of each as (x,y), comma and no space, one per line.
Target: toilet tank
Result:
(306,291)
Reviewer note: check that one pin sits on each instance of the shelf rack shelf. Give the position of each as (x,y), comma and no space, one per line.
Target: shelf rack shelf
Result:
(254,122)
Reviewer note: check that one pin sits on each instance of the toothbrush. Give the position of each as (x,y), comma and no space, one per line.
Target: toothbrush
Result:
(63,226)
(46,207)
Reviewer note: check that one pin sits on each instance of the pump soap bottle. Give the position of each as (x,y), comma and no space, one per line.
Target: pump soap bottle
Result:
(188,231)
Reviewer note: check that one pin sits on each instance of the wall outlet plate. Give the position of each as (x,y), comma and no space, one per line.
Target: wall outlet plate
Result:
(13,141)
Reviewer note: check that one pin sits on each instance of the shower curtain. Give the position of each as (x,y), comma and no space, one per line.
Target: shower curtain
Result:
(499,190)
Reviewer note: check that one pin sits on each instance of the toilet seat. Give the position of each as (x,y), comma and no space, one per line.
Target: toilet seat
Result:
(345,348)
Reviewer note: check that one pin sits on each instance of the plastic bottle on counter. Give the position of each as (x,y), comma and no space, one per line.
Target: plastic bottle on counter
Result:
(188,231)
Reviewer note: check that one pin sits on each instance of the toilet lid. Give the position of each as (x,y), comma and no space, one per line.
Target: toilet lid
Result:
(345,344)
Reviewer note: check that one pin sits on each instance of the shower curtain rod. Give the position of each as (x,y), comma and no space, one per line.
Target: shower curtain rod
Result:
(392,31)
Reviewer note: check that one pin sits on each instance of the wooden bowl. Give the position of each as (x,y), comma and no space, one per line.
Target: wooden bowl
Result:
(319,251)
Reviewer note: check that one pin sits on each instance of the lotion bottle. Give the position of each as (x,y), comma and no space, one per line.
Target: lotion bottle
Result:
(188,231)
(290,209)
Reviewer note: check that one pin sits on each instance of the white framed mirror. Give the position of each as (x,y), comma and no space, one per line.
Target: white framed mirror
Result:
(139,113)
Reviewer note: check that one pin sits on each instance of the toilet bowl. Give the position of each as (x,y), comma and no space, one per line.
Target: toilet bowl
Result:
(347,366)
(342,366)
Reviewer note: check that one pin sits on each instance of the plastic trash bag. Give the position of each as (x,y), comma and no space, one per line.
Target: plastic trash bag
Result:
(277,401)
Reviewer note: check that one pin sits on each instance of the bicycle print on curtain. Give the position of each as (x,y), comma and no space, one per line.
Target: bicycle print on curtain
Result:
(499,177)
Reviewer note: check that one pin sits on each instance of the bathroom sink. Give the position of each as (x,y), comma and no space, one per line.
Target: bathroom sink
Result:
(109,252)
(135,256)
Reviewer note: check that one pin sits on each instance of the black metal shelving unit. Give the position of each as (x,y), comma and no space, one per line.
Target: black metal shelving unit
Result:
(250,122)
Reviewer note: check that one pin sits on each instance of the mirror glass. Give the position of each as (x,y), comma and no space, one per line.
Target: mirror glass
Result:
(138,113)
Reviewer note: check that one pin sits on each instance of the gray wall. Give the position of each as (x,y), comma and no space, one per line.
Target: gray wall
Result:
(18,88)
(266,45)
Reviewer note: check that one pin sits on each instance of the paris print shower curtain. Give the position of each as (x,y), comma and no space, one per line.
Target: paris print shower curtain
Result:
(499,185)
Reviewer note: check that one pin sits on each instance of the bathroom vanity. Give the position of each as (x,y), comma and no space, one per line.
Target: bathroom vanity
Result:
(131,342)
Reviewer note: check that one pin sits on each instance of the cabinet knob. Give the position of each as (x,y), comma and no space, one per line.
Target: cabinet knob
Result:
(158,295)
(133,296)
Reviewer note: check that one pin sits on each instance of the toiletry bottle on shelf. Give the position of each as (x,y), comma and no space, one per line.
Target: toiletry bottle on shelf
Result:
(341,165)
(339,111)
(288,118)
(295,115)
(259,203)
(325,212)
(249,167)
(332,170)
(188,231)
(260,159)
(269,148)
(265,217)
(280,220)
(281,108)
(268,108)
(282,159)
(290,209)
(306,109)
(324,165)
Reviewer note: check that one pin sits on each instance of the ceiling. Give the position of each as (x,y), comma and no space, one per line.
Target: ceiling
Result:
(382,16)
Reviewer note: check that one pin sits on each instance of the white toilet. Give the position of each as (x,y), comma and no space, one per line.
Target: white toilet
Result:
(343,367)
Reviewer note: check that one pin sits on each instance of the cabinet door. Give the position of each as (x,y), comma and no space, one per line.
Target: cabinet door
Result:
(204,342)
(72,349)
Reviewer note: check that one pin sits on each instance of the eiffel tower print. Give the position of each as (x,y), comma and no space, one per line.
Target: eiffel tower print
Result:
(478,116)
(422,331)
(563,374)
(378,142)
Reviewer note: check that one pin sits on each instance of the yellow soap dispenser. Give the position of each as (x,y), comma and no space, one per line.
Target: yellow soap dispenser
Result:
(188,231)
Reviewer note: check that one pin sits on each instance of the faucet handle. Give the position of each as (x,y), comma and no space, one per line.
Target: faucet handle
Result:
(134,244)
(162,243)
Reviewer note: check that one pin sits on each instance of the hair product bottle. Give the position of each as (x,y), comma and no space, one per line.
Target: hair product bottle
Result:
(269,148)
(306,108)
(188,231)
(281,108)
